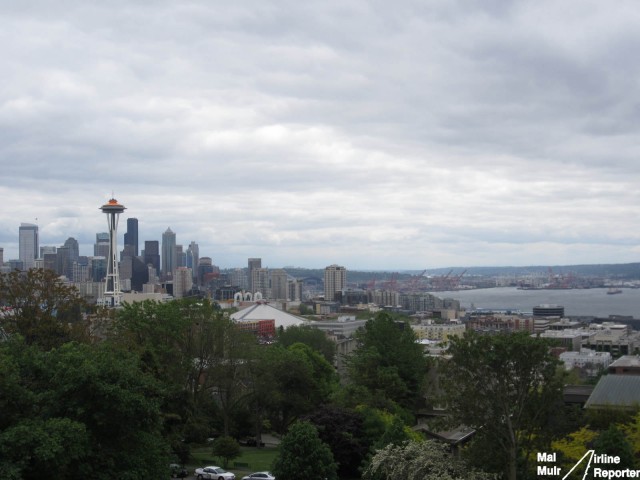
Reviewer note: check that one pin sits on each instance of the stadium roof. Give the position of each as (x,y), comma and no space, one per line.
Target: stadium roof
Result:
(264,311)
(617,391)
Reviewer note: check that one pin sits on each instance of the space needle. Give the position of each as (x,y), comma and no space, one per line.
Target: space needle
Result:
(112,293)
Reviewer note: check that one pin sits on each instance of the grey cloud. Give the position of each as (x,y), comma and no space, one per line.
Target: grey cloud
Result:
(329,131)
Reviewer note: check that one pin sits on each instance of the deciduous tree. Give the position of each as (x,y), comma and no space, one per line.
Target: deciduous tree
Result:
(504,386)
(312,337)
(226,448)
(42,308)
(78,411)
(289,382)
(342,429)
(425,460)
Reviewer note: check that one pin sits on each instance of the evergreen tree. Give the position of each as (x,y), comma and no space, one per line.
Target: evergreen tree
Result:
(388,363)
(304,455)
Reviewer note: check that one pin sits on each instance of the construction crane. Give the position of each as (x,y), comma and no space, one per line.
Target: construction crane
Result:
(392,283)
(413,284)
(455,283)
(441,282)
(371,284)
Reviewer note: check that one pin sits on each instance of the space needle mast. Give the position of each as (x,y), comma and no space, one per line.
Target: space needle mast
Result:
(112,293)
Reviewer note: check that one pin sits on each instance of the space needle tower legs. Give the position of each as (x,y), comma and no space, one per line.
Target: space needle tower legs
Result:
(112,293)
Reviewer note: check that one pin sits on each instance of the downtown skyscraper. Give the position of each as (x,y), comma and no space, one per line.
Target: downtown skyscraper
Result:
(169,260)
(28,245)
(131,237)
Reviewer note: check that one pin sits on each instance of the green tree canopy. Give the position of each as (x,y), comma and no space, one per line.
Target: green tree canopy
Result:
(78,411)
(227,448)
(303,455)
(389,363)
(310,336)
(43,309)
(613,442)
(289,382)
(197,351)
(505,387)
(343,431)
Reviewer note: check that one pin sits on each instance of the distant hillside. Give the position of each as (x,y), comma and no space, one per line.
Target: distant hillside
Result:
(626,271)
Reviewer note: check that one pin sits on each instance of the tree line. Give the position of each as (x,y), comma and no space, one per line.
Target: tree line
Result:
(88,392)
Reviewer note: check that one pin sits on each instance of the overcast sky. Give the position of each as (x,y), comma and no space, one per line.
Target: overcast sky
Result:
(375,135)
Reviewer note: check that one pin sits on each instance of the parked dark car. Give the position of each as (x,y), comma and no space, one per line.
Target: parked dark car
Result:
(250,442)
(178,471)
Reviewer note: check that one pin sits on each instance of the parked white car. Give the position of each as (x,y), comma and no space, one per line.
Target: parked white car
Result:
(260,476)
(213,473)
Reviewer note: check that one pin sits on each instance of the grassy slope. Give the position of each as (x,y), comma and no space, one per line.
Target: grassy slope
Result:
(257,458)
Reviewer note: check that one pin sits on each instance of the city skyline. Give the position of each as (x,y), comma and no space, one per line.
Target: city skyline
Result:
(406,136)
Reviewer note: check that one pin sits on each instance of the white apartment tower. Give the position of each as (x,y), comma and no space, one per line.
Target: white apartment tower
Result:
(182,281)
(335,280)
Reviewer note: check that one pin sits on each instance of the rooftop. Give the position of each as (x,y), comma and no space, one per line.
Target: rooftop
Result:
(627,361)
(621,391)
(264,311)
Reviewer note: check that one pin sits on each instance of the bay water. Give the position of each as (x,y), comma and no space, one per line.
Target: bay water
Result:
(576,302)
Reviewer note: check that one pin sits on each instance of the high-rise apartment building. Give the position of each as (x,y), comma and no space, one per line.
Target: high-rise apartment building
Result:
(169,261)
(238,278)
(260,282)
(182,282)
(295,290)
(28,245)
(131,237)
(253,263)
(279,284)
(335,280)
